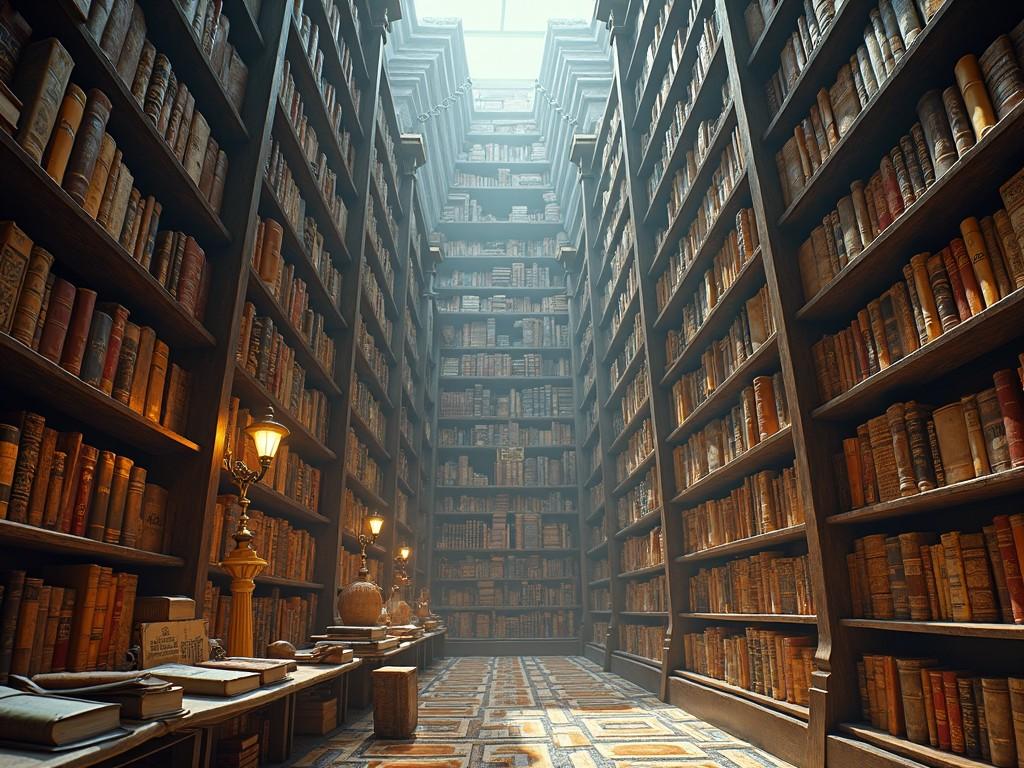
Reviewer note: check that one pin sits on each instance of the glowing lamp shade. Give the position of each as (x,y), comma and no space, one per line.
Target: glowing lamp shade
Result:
(267,435)
(376,522)
(404,552)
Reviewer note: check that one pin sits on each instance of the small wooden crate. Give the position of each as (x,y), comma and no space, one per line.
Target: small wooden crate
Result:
(394,702)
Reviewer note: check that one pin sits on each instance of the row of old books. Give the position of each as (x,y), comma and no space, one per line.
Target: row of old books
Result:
(831,118)
(78,618)
(161,95)
(630,349)
(764,661)
(753,325)
(953,576)
(288,475)
(638,501)
(634,398)
(265,354)
(554,502)
(375,357)
(600,569)
(644,551)
(642,640)
(361,465)
(462,207)
(92,341)
(684,176)
(937,294)
(911,448)
(53,480)
(503,128)
(275,617)
(501,364)
(536,470)
(507,435)
(351,563)
(504,178)
(498,303)
(681,33)
(291,292)
(281,181)
(738,248)
(504,249)
(951,122)
(597,537)
(309,34)
(518,274)
(650,595)
(638,449)
(365,403)
(531,402)
(977,716)
(625,293)
(290,552)
(212,27)
(533,625)
(767,582)
(761,412)
(599,632)
(767,501)
(600,599)
(525,532)
(488,593)
(507,567)
(373,299)
(502,152)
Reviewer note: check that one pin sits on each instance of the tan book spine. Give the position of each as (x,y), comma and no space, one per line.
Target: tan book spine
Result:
(88,143)
(157,380)
(959,123)
(1016,688)
(996,446)
(926,299)
(101,171)
(995,559)
(954,443)
(1011,248)
(55,162)
(972,86)
(30,299)
(920,450)
(980,588)
(132,521)
(999,717)
(975,435)
(143,363)
(955,572)
(40,82)
(901,449)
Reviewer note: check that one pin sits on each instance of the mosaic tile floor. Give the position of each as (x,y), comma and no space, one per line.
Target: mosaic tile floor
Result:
(538,712)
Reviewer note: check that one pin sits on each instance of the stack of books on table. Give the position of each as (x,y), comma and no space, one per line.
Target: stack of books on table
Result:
(359,639)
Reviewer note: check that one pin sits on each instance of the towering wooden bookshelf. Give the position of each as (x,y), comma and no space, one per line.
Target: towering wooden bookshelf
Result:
(345,100)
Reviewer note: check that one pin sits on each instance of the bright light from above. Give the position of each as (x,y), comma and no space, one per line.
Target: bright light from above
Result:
(505,38)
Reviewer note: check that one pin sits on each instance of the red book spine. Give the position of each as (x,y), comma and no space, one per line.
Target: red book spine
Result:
(120,315)
(1011,566)
(1011,403)
(939,703)
(191,273)
(58,314)
(76,523)
(78,331)
(963,308)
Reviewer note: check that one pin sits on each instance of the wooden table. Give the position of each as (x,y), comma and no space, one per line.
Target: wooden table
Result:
(192,736)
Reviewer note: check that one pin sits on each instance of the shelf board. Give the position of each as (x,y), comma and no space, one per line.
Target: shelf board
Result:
(920,753)
(749,544)
(270,581)
(638,659)
(622,439)
(618,282)
(765,453)
(508,350)
(973,491)
(367,375)
(520,419)
(86,250)
(492,448)
(267,499)
(22,536)
(595,552)
(948,628)
(443,551)
(636,475)
(506,608)
(600,582)
(643,573)
(986,331)
(504,488)
(595,516)
(364,491)
(505,579)
(752,618)
(619,386)
(368,437)
(511,315)
(496,230)
(501,290)
(510,380)
(36,376)
(795,710)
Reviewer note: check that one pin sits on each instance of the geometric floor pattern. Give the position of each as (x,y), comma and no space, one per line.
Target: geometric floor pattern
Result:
(538,712)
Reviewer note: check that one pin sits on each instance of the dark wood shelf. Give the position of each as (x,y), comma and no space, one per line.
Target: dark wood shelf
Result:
(947,628)
(919,753)
(595,552)
(441,420)
(637,659)
(368,436)
(643,523)
(23,536)
(245,30)
(497,230)
(561,553)
(506,608)
(365,492)
(643,573)
(794,710)
(369,376)
(504,488)
(266,499)
(637,474)
(622,439)
(750,544)
(270,581)
(752,618)
(624,328)
(505,579)
(35,376)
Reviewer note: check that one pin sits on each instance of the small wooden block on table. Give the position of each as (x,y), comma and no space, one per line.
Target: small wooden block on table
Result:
(394,702)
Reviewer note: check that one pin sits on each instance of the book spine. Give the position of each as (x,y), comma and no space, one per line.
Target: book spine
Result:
(30,301)
(69,118)
(78,331)
(87,146)
(972,87)
(42,78)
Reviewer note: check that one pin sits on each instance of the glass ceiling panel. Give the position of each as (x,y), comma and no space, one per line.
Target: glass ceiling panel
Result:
(523,15)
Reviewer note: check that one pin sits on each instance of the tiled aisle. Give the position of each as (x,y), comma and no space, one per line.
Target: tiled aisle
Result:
(538,712)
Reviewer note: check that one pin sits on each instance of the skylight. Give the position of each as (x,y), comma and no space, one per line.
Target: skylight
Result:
(505,38)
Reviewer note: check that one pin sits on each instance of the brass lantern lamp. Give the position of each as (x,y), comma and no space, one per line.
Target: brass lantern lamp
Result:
(243,564)
(360,603)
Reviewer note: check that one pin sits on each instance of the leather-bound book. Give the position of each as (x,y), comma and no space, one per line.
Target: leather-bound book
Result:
(1003,76)
(1011,566)
(949,261)
(955,572)
(78,331)
(914,170)
(954,445)
(930,317)
(156,91)
(999,718)
(867,465)
(42,616)
(116,29)
(118,497)
(163,255)
(890,326)
(99,13)
(969,715)
(96,348)
(897,578)
(28,612)
(30,300)
(959,123)
(176,402)
(913,569)
(995,560)
(143,362)
(1016,687)
(1010,247)
(237,79)
(191,272)
(119,317)
(884,458)
(901,449)
(51,508)
(157,379)
(14,33)
(954,714)
(209,164)
(85,580)
(100,174)
(14,585)
(32,428)
(130,52)
(52,625)
(119,204)
(1012,193)
(100,505)
(980,588)
(78,522)
(916,419)
(164,118)
(854,474)
(974,243)
(181,143)
(879,588)
(923,156)
(938,138)
(137,247)
(174,125)
(42,77)
(143,72)
(126,360)
(41,479)
(149,245)
(10,435)
(767,416)
(71,444)
(154,518)
(1011,403)
(132,521)
(942,290)
(972,87)
(929,704)
(995,252)
(69,118)
(15,254)
(199,136)
(62,642)
(88,142)
(975,436)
